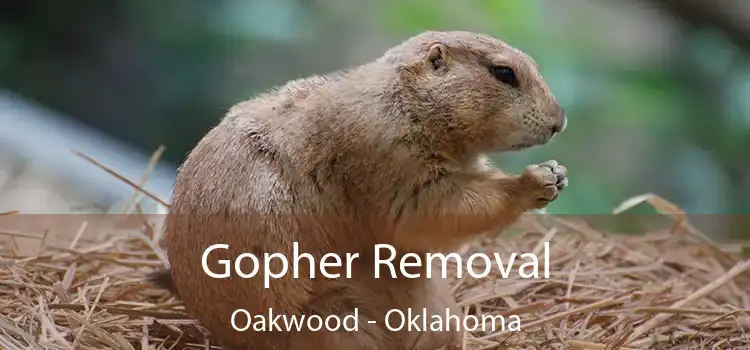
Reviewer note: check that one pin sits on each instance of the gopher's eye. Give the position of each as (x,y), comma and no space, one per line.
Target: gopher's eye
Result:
(505,75)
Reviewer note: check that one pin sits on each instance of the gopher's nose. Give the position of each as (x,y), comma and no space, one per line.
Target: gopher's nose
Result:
(562,122)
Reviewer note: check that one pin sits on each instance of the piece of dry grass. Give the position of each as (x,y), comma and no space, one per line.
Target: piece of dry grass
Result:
(665,290)
(95,297)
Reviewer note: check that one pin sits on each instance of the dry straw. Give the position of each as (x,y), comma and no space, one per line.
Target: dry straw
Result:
(665,289)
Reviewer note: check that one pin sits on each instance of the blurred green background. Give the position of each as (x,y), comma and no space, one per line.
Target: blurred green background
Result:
(657,92)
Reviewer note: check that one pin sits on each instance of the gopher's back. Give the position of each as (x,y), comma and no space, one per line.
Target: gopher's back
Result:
(276,170)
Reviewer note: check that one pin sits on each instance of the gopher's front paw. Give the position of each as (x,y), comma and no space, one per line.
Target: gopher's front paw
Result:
(542,183)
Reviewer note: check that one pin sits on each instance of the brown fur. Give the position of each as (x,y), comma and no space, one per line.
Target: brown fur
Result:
(393,152)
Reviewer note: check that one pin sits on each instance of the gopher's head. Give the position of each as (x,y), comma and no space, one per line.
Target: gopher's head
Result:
(477,91)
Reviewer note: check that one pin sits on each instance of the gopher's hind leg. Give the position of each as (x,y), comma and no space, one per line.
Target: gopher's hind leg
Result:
(351,307)
(368,336)
(432,297)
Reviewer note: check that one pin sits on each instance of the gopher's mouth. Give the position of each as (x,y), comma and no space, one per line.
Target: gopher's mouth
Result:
(521,146)
(529,142)
(532,138)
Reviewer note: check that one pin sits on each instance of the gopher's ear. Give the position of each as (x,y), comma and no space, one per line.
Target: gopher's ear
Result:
(436,57)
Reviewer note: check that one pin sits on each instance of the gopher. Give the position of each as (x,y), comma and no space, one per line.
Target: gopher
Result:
(390,152)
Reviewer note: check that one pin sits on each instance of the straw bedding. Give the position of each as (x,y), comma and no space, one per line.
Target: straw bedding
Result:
(665,289)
